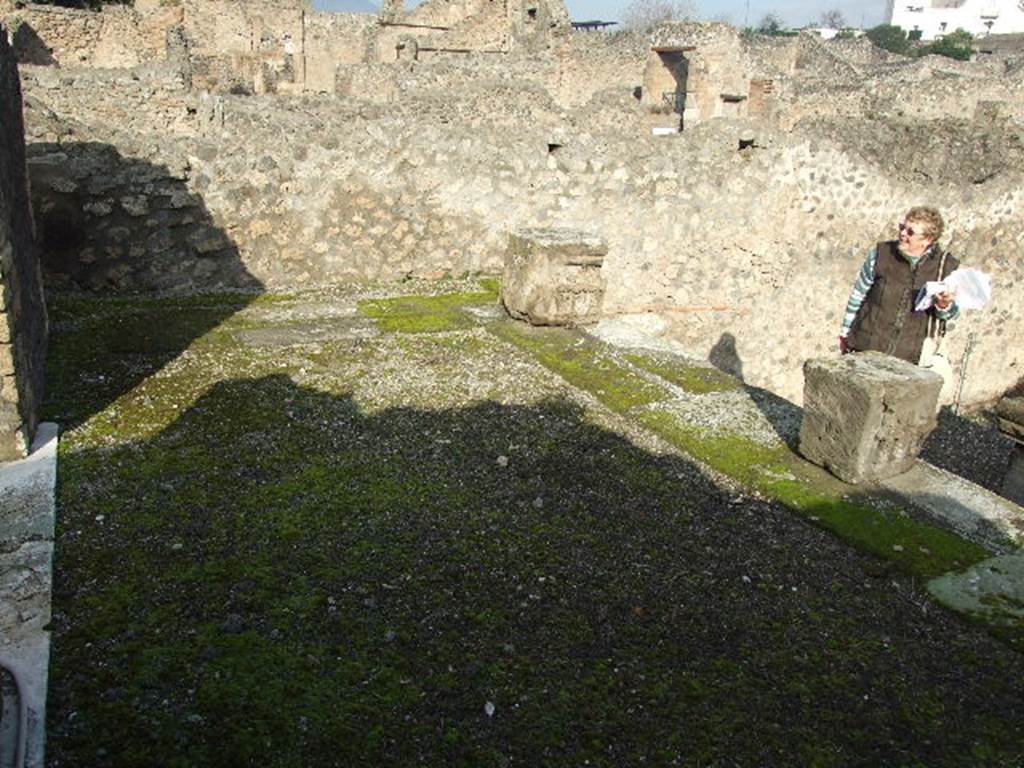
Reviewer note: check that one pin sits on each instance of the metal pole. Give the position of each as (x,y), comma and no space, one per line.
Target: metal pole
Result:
(963,372)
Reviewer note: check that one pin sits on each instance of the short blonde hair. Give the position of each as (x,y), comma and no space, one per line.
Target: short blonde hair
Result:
(930,217)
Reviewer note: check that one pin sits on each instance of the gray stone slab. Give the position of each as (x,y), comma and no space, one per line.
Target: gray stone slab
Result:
(24,591)
(992,589)
(339,329)
(26,492)
(968,509)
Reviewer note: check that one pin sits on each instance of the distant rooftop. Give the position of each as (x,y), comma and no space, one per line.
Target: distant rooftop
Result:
(593,24)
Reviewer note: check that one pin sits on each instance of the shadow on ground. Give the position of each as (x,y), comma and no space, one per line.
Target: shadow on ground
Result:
(278,577)
(972,448)
(783,415)
(123,227)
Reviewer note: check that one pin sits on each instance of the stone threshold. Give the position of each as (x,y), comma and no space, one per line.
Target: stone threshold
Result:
(27,516)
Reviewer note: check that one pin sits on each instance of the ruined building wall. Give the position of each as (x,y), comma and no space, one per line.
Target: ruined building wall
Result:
(589,63)
(117,37)
(142,100)
(447,13)
(751,251)
(931,88)
(537,24)
(245,46)
(218,27)
(255,46)
(426,166)
(485,30)
(577,75)
(332,39)
(473,25)
(22,311)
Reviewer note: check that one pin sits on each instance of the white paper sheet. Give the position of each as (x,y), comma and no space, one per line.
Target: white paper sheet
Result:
(972,287)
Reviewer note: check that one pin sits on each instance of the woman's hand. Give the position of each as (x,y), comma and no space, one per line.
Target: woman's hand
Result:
(944,300)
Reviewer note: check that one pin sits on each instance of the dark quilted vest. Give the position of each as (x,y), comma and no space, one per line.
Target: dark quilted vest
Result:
(886,321)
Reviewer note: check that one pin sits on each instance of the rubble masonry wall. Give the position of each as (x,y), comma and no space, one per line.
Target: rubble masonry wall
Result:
(423,168)
(22,311)
(757,249)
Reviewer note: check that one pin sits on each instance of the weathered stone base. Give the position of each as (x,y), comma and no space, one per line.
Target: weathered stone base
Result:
(553,276)
(867,415)
(27,513)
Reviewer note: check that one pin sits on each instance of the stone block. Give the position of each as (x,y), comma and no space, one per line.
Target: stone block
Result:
(1010,413)
(866,416)
(553,276)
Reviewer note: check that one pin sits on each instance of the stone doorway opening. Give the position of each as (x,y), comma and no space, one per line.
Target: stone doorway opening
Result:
(664,91)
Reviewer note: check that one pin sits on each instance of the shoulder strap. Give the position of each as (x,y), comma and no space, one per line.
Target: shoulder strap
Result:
(936,327)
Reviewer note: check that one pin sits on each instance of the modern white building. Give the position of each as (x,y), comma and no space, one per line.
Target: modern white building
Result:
(935,18)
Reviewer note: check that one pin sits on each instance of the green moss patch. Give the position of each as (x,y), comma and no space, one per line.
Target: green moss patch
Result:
(96,355)
(911,545)
(584,364)
(491,285)
(251,570)
(75,305)
(915,547)
(698,379)
(427,314)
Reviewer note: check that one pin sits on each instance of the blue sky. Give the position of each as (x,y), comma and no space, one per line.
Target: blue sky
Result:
(795,13)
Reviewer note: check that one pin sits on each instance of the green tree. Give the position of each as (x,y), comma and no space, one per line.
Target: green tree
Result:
(832,19)
(955,45)
(889,37)
(770,24)
(646,14)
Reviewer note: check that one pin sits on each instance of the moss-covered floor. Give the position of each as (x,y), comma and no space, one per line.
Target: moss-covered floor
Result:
(290,536)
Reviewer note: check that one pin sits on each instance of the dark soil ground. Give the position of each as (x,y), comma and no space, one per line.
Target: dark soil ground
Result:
(354,547)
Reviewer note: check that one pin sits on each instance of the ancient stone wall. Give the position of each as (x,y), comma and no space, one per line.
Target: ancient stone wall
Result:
(257,47)
(424,167)
(22,312)
(447,13)
(485,30)
(116,37)
(249,47)
(588,64)
(929,88)
(218,27)
(280,47)
(332,39)
(725,245)
(453,89)
(151,99)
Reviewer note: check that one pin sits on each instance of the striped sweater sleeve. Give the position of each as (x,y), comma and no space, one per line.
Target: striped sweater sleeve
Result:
(865,280)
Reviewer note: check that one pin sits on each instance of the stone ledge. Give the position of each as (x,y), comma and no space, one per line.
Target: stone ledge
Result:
(27,515)
(1010,412)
